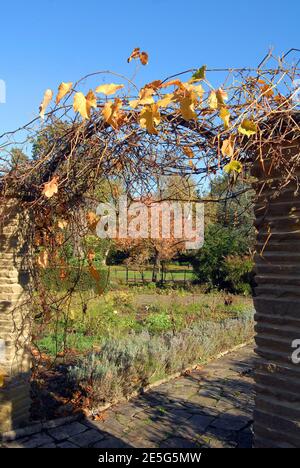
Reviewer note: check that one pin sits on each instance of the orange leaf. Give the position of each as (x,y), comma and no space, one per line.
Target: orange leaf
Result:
(188,152)
(134,54)
(144,58)
(51,187)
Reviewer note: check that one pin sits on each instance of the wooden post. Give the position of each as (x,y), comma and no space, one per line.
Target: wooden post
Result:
(14,318)
(277,303)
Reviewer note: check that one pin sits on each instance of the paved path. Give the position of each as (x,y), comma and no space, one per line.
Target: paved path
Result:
(210,407)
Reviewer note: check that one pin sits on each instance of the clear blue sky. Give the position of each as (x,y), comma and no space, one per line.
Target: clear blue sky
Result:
(46,42)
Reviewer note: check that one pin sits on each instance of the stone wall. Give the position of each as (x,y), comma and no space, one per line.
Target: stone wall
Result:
(14,319)
(277,304)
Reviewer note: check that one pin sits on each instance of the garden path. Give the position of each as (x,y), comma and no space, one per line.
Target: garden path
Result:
(209,407)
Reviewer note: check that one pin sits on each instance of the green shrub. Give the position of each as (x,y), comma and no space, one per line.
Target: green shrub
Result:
(239,274)
(80,278)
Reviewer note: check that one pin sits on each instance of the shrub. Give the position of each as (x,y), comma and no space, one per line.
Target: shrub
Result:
(127,364)
(239,274)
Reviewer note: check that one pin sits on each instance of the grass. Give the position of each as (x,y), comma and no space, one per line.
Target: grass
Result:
(120,313)
(175,273)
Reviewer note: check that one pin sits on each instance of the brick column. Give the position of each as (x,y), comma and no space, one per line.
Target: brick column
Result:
(277,303)
(14,318)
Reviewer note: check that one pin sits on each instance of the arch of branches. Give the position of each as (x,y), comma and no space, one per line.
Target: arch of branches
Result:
(194,124)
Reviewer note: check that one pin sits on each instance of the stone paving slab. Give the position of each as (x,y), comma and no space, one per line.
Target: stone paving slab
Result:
(209,407)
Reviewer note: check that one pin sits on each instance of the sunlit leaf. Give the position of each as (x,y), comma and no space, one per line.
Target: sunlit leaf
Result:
(248,127)
(217,99)
(145,97)
(144,58)
(227,148)
(112,113)
(171,83)
(92,220)
(45,102)
(233,166)
(149,118)
(79,105)
(166,100)
(225,116)
(51,187)
(63,89)
(108,89)
(212,100)
(134,54)
(187,108)
(91,101)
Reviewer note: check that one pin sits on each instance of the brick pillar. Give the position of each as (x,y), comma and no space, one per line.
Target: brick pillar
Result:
(14,318)
(277,304)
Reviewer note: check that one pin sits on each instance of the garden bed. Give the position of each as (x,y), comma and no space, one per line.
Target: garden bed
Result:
(110,364)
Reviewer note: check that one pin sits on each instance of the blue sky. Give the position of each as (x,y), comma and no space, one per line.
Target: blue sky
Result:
(46,42)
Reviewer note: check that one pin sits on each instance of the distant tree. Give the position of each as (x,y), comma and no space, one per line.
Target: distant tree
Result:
(17,157)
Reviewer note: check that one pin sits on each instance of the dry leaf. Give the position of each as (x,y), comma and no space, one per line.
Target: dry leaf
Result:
(227,148)
(145,97)
(51,187)
(112,113)
(187,107)
(166,100)
(45,102)
(188,152)
(79,105)
(63,89)
(91,101)
(149,118)
(225,116)
(144,58)
(108,89)
(134,54)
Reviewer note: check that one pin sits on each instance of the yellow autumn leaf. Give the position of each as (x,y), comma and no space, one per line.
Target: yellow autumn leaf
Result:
(51,187)
(225,116)
(248,127)
(212,100)
(63,89)
(91,101)
(222,96)
(79,105)
(187,107)
(227,148)
(43,259)
(149,118)
(233,166)
(166,100)
(45,102)
(145,97)
(108,89)
(171,83)
(112,113)
(217,98)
